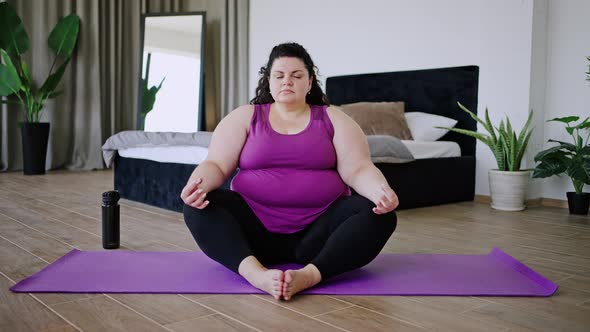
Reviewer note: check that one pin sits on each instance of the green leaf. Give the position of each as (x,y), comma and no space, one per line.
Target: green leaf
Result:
(565,145)
(502,149)
(509,141)
(490,128)
(579,170)
(569,130)
(522,141)
(549,168)
(508,127)
(566,119)
(9,81)
(479,136)
(541,156)
(584,125)
(26,72)
(502,128)
(13,36)
(52,81)
(513,150)
(64,35)
(54,94)
(525,129)
(500,154)
(523,145)
(474,117)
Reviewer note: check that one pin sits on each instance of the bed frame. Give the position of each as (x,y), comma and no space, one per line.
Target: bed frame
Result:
(423,182)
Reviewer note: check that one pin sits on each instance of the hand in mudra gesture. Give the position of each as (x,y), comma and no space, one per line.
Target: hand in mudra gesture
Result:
(387,201)
(194,196)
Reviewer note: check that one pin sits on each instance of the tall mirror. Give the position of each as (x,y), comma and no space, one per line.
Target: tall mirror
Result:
(171,82)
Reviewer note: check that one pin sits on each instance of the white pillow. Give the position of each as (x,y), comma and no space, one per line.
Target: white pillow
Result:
(422,125)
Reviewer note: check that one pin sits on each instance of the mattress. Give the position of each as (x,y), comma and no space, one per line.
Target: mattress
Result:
(194,155)
(436,149)
(180,154)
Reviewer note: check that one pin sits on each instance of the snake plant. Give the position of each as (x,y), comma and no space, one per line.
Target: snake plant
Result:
(506,144)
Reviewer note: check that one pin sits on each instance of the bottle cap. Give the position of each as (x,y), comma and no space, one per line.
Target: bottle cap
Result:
(110,197)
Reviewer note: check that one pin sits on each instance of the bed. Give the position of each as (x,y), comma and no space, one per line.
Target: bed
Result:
(156,178)
(428,181)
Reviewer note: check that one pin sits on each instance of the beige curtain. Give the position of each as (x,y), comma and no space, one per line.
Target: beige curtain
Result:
(100,84)
(234,53)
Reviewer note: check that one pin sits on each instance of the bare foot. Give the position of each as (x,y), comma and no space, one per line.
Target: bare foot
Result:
(270,281)
(298,280)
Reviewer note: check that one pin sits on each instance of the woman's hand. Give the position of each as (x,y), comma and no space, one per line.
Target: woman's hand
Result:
(387,201)
(193,196)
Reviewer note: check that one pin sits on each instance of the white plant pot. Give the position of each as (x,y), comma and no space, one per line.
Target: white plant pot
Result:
(508,189)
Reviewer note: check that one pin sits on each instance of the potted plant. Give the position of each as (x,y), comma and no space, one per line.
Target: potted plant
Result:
(508,183)
(16,81)
(571,159)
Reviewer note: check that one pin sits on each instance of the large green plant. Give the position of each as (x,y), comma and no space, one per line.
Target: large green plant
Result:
(15,77)
(507,145)
(571,159)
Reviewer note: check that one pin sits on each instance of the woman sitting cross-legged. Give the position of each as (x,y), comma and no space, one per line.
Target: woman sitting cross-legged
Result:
(291,199)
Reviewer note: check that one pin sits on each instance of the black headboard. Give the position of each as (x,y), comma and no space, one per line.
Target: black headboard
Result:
(434,91)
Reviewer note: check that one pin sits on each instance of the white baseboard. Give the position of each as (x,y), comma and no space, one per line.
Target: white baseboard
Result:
(541,201)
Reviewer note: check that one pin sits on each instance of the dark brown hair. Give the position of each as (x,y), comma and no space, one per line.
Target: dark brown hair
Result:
(316,95)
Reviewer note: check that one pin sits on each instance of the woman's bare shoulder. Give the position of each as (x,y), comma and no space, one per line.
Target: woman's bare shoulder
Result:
(334,108)
(240,114)
(244,110)
(337,115)
(240,117)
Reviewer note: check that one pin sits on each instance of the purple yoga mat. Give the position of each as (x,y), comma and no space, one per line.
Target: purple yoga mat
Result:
(494,274)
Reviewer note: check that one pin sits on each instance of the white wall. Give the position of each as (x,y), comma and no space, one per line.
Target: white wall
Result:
(377,36)
(537,90)
(567,92)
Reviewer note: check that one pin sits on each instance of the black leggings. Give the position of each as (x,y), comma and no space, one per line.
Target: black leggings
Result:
(347,236)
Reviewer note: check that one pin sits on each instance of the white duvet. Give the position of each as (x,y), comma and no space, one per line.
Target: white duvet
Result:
(194,155)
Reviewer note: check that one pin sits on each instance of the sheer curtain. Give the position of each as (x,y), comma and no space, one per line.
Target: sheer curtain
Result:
(100,85)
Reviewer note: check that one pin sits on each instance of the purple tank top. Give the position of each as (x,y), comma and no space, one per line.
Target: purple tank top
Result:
(289,180)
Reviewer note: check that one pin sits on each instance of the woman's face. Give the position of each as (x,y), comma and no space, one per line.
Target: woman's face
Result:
(289,80)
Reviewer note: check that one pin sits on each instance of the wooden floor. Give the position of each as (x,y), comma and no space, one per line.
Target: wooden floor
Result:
(44,217)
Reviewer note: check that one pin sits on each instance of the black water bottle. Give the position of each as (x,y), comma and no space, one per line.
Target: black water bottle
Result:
(110,219)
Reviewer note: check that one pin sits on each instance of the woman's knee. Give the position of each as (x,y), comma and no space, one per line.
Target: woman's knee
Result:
(215,197)
(191,213)
(387,221)
(196,220)
(382,224)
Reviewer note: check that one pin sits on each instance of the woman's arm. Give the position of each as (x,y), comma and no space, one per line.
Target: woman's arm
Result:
(222,157)
(354,163)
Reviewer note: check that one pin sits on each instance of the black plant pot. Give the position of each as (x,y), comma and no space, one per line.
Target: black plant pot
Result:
(578,203)
(34,138)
